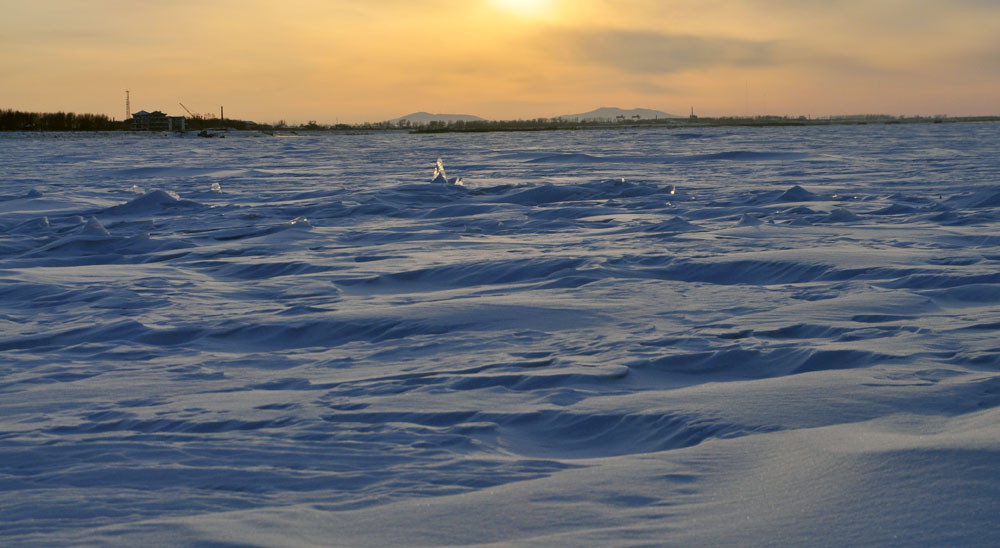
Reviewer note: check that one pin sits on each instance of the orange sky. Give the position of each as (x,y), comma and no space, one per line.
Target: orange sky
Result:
(371,60)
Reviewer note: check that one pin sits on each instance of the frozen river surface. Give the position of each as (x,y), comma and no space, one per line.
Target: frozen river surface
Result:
(742,337)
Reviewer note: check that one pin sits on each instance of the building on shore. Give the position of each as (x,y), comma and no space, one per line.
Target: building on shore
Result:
(154,121)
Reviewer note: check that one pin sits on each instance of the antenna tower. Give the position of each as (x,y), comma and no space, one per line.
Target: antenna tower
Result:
(128,106)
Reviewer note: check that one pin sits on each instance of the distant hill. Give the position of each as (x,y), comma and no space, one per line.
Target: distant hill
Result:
(611,113)
(426,118)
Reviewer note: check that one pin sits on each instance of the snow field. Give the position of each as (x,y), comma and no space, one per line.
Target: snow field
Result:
(731,336)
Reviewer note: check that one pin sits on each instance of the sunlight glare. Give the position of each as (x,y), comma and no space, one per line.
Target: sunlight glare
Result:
(524,8)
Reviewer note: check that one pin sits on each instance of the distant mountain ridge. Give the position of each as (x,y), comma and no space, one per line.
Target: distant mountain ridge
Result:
(612,113)
(427,117)
(603,113)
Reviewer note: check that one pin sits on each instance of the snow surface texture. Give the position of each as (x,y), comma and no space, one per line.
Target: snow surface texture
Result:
(720,337)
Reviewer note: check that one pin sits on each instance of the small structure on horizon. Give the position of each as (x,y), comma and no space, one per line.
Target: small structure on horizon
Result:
(154,121)
(693,115)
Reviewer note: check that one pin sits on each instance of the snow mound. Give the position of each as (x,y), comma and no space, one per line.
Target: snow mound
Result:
(797,194)
(841,215)
(749,220)
(94,228)
(40,225)
(154,201)
(674,224)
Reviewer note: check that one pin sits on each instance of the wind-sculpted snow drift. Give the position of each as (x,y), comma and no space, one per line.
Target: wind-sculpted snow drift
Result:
(731,337)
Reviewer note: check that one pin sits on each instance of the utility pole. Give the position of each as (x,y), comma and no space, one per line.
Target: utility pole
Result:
(128,106)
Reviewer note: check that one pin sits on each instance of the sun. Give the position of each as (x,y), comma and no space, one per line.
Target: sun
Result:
(524,8)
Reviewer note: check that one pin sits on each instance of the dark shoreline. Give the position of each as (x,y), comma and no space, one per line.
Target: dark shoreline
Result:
(687,123)
(510,126)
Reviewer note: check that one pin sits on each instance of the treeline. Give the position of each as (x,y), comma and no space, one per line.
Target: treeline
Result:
(475,126)
(544,124)
(202,122)
(15,120)
(550,124)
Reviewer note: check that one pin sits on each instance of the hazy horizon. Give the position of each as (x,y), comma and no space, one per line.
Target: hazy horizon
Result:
(351,61)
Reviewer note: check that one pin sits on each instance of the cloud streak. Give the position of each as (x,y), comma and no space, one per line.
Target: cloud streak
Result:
(658,53)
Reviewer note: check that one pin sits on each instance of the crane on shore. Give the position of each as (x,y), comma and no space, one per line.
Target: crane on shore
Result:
(201,119)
